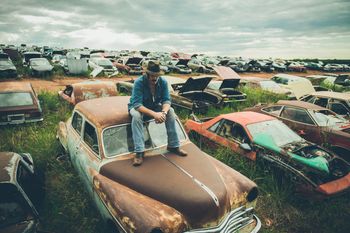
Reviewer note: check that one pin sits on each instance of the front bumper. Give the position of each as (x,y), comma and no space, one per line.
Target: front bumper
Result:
(239,220)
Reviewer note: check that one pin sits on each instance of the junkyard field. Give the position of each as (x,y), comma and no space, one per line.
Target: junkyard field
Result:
(67,207)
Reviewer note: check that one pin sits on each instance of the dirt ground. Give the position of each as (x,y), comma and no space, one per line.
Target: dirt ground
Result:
(57,83)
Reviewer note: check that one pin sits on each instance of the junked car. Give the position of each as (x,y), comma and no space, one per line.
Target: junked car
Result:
(298,85)
(181,67)
(40,66)
(168,193)
(190,94)
(312,122)
(129,65)
(259,137)
(77,92)
(105,64)
(18,187)
(19,104)
(29,55)
(337,102)
(7,69)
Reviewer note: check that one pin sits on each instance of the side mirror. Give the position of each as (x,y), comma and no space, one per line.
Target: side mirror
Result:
(245,146)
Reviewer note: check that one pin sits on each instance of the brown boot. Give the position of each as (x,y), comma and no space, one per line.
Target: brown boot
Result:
(178,151)
(138,159)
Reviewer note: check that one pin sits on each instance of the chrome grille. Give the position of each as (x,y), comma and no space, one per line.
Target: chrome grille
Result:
(16,118)
(234,221)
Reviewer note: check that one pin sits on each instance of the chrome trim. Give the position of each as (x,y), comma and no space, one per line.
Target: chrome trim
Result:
(21,122)
(233,222)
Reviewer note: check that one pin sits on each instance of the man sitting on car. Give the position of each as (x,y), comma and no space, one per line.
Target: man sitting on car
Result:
(150,98)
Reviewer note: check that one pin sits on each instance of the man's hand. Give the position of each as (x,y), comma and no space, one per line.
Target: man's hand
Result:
(159,117)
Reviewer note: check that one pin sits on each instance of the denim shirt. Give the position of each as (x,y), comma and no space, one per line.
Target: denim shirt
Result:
(142,96)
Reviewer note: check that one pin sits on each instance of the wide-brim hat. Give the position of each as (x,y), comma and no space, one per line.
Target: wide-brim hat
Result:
(153,68)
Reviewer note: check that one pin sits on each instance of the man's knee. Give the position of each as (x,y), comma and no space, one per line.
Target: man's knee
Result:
(136,115)
(171,114)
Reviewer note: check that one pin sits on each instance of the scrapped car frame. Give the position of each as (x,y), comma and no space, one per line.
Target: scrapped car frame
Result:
(315,170)
(142,199)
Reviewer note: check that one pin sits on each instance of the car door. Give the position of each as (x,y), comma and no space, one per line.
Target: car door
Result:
(299,120)
(88,153)
(74,136)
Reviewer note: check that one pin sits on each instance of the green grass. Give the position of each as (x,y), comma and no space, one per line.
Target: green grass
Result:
(68,208)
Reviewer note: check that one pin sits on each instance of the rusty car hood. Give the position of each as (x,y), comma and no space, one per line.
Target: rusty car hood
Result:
(191,185)
(197,84)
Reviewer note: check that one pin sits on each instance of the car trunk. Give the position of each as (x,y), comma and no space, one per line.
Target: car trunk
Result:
(189,184)
(20,114)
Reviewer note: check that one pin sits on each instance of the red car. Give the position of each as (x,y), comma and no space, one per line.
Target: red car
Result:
(257,136)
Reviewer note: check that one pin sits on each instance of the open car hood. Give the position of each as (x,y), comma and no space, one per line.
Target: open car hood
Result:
(198,84)
(133,60)
(191,185)
(226,73)
(229,83)
(182,62)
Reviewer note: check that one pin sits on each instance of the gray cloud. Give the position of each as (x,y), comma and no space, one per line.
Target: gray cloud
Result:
(312,28)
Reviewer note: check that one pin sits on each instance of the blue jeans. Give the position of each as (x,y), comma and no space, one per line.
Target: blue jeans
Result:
(137,130)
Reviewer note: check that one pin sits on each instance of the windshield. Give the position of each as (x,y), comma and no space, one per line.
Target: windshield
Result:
(279,132)
(14,99)
(104,62)
(215,85)
(269,85)
(39,62)
(12,207)
(327,118)
(118,139)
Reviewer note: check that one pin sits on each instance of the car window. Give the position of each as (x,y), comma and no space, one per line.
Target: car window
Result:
(12,207)
(295,114)
(14,99)
(339,108)
(77,122)
(68,91)
(118,139)
(321,102)
(309,99)
(90,137)
(274,110)
(25,179)
(214,127)
(233,131)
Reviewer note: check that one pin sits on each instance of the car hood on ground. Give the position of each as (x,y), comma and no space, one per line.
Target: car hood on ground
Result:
(191,185)
(198,84)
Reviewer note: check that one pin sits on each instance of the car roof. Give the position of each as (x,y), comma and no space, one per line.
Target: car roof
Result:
(8,162)
(106,111)
(16,87)
(337,95)
(301,104)
(247,117)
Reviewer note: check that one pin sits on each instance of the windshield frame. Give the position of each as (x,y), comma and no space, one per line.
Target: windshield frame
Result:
(130,152)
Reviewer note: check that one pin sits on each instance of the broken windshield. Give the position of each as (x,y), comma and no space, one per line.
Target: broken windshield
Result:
(118,139)
(327,118)
(279,132)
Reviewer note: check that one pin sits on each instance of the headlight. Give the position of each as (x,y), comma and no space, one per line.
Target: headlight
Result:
(253,194)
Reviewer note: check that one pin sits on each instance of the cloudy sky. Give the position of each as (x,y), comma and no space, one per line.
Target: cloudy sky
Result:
(248,28)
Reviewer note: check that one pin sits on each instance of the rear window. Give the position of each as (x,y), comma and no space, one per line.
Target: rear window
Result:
(15,99)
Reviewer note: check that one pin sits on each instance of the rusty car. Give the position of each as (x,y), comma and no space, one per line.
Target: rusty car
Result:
(335,101)
(77,92)
(7,69)
(168,193)
(18,191)
(312,122)
(190,94)
(19,103)
(130,65)
(313,169)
